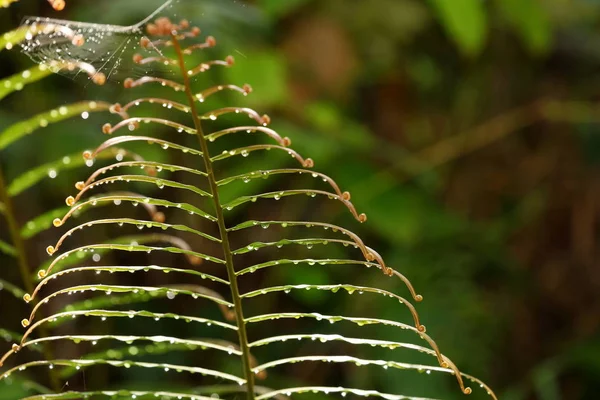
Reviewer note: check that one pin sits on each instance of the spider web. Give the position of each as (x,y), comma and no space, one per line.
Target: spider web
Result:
(74,48)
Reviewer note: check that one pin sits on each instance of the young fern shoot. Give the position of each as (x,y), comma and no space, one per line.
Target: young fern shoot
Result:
(219,261)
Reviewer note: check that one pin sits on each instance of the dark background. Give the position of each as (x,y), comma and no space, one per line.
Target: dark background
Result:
(466,130)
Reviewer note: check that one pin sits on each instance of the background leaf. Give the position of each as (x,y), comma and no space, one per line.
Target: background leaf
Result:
(465,21)
(530,21)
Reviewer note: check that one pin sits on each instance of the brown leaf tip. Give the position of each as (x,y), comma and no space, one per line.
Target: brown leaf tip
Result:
(78,40)
(165,27)
(265,120)
(262,375)
(211,41)
(58,5)
(195,260)
(99,78)
(159,217)
(115,108)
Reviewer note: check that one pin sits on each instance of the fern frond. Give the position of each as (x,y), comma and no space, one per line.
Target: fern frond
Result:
(127,394)
(121,243)
(104,314)
(227,251)
(126,364)
(150,140)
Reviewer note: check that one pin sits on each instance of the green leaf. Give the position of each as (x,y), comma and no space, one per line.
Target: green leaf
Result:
(14,337)
(71,161)
(20,129)
(82,256)
(120,394)
(14,290)
(10,336)
(341,391)
(7,249)
(19,388)
(157,345)
(18,81)
(42,222)
(267,72)
(465,21)
(530,21)
(9,39)
(545,380)
(55,319)
(126,364)
(278,8)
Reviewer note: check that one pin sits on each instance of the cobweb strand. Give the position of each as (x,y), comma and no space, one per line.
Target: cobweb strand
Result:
(102,51)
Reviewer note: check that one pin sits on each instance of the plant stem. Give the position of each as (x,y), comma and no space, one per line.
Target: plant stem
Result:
(19,244)
(15,235)
(237,301)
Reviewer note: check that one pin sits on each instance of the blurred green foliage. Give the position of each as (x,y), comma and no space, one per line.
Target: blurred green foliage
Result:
(465,21)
